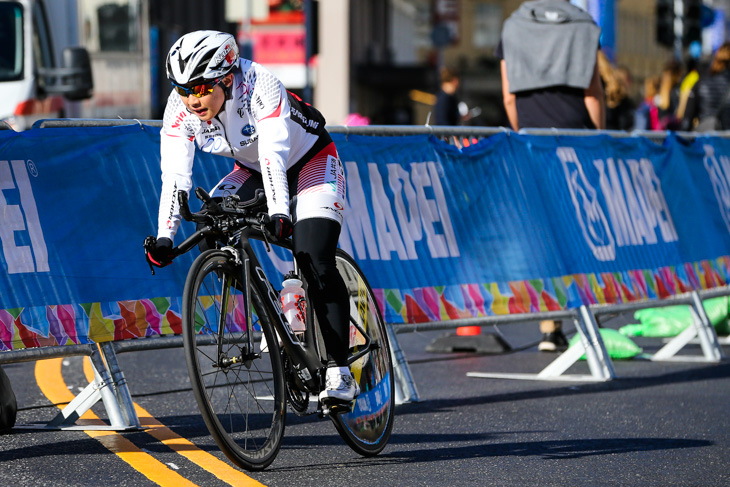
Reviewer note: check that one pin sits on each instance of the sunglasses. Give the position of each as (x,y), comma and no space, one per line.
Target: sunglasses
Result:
(197,91)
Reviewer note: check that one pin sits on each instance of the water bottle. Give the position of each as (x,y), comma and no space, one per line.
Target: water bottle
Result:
(292,300)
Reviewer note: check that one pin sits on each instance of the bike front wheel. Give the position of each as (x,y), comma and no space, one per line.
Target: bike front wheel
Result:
(239,389)
(366,429)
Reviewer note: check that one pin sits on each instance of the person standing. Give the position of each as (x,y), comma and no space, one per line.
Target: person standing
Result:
(619,106)
(709,108)
(446,110)
(646,116)
(550,79)
(669,95)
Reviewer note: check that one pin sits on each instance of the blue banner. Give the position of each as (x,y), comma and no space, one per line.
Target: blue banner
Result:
(512,224)
(75,207)
(517,207)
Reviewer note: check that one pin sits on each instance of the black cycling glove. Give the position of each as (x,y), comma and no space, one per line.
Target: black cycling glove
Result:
(160,254)
(280,226)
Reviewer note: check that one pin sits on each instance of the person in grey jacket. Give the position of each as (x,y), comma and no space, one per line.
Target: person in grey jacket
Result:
(550,79)
(549,67)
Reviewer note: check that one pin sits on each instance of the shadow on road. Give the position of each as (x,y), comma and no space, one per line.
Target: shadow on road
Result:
(710,372)
(559,449)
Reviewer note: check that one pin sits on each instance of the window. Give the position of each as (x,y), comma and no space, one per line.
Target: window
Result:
(111,25)
(117,27)
(42,52)
(11,41)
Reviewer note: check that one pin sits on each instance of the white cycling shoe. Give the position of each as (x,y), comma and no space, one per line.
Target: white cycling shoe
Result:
(340,385)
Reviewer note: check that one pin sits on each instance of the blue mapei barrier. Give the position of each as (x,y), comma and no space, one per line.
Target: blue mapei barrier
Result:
(512,224)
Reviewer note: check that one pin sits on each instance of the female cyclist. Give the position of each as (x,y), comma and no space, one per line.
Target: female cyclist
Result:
(235,107)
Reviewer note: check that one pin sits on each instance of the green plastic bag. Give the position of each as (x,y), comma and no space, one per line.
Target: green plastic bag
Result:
(670,321)
(617,345)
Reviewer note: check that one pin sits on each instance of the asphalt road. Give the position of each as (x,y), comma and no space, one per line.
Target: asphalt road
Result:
(661,424)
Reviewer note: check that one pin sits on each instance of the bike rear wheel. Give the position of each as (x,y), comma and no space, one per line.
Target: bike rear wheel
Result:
(366,429)
(239,390)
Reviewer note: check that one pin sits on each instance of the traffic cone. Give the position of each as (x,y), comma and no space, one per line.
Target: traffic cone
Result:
(469,339)
(463,331)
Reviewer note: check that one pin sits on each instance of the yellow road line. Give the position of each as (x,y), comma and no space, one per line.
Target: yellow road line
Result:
(50,380)
(184,447)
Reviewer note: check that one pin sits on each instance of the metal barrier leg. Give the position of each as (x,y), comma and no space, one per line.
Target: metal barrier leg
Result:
(591,344)
(598,359)
(122,397)
(707,334)
(110,387)
(700,328)
(405,387)
(66,418)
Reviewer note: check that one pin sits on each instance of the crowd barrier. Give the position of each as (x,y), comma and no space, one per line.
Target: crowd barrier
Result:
(453,227)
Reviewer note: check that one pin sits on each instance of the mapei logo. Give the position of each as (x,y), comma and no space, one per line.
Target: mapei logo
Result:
(248,130)
(718,169)
(589,213)
(23,245)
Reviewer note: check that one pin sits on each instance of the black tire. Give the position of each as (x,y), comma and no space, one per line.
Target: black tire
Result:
(239,390)
(367,428)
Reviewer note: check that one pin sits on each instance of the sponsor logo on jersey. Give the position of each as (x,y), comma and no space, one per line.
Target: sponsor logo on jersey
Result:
(179,119)
(302,120)
(170,224)
(247,142)
(338,209)
(242,88)
(210,130)
(271,181)
(248,130)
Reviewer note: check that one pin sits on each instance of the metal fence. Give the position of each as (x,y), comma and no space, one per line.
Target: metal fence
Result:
(584,318)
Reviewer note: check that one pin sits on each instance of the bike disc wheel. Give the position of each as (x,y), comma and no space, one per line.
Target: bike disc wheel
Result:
(366,429)
(239,390)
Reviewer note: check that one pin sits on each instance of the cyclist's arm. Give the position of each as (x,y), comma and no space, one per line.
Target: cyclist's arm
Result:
(177,152)
(271,110)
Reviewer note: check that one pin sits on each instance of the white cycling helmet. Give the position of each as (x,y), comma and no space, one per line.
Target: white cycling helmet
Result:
(201,56)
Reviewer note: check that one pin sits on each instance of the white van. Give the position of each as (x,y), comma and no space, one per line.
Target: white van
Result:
(32,84)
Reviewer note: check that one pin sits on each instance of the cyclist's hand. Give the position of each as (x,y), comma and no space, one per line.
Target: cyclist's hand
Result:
(159,251)
(280,226)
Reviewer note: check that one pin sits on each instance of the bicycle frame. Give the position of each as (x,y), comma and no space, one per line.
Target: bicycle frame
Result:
(304,355)
(306,358)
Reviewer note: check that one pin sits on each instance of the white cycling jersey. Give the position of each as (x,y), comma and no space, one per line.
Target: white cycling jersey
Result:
(261,125)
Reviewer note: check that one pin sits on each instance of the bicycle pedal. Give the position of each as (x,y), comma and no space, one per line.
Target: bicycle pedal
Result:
(345,407)
(336,407)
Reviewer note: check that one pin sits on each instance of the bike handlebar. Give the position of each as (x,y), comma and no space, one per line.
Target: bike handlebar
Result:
(231,206)
(230,214)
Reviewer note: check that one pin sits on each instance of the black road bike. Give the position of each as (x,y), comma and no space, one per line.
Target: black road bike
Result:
(230,307)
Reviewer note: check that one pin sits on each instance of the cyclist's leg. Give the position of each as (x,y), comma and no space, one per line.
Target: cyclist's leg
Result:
(315,242)
(241,181)
(318,181)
